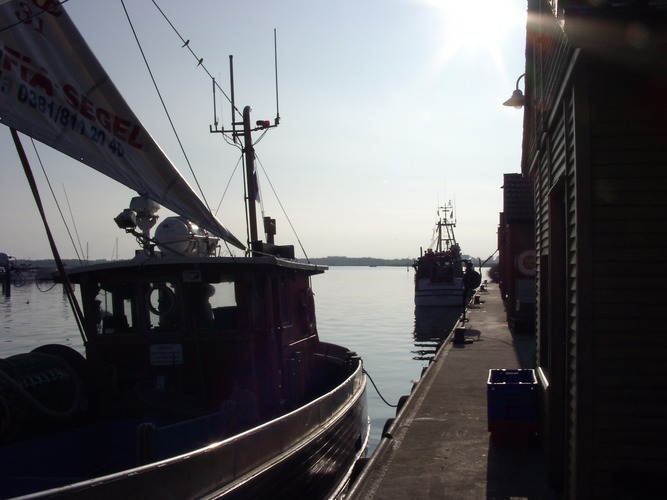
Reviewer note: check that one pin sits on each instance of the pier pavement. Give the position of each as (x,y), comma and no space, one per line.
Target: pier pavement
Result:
(439,446)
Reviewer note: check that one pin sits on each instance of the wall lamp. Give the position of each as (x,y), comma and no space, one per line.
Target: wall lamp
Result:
(517,100)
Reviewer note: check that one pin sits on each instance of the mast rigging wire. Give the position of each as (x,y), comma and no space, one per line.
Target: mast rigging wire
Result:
(283,209)
(229,181)
(200,60)
(71,297)
(62,216)
(42,10)
(76,231)
(164,106)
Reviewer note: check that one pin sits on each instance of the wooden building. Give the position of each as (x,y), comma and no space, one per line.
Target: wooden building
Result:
(516,253)
(595,145)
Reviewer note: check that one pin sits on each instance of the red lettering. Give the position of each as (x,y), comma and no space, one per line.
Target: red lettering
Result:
(10,61)
(71,96)
(37,78)
(24,68)
(41,81)
(120,127)
(51,6)
(132,141)
(103,118)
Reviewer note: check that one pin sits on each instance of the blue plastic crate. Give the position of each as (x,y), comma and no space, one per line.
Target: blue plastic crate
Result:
(514,432)
(518,378)
(512,395)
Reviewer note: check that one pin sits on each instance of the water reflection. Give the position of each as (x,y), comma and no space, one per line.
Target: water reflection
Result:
(34,315)
(432,325)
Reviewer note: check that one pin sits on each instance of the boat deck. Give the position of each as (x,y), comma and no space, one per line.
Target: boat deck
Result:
(439,444)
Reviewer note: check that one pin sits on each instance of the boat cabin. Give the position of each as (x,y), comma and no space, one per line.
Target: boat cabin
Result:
(194,336)
(439,267)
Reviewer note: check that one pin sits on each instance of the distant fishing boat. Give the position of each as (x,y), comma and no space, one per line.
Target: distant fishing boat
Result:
(443,278)
(203,374)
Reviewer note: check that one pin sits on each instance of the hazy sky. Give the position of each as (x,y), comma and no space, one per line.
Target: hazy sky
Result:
(388,109)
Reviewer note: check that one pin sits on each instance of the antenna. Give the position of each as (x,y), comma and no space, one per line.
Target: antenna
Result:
(244,136)
(275,63)
(260,124)
(231,84)
(215,111)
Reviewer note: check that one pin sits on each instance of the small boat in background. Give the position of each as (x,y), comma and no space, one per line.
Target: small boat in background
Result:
(203,374)
(443,278)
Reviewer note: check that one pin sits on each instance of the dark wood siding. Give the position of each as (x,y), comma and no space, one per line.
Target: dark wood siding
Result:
(549,156)
(595,145)
(629,212)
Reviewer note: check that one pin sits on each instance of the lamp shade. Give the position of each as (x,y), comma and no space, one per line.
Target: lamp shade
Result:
(517,100)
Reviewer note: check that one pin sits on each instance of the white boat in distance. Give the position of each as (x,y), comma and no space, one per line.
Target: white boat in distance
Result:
(443,278)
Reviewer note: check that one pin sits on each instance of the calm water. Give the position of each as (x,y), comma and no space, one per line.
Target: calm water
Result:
(370,310)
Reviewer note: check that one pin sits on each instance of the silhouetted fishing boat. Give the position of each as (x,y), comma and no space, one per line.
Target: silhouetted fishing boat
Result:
(442,276)
(203,374)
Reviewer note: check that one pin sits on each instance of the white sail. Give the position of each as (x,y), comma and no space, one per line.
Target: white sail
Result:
(52,88)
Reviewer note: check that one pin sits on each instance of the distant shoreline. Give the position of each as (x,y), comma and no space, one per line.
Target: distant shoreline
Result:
(326,261)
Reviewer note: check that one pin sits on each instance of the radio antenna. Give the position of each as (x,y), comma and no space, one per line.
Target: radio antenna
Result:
(261,124)
(275,62)
(231,84)
(215,111)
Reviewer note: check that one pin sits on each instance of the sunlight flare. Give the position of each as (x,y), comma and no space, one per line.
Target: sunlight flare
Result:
(471,28)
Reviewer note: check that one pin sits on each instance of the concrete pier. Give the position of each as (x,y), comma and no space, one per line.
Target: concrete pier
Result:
(439,445)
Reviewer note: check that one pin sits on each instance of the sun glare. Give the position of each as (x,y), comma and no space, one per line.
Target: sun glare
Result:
(474,28)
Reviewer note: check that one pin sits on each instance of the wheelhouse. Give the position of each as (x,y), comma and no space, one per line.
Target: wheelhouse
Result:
(199,336)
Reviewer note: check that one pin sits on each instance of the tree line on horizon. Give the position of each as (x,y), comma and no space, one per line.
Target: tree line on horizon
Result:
(334,260)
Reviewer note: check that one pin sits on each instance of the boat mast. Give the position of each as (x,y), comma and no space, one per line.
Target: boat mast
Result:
(439,246)
(447,220)
(249,153)
(248,148)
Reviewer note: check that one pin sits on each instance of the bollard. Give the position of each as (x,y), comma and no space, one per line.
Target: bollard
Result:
(4,279)
(459,336)
(5,274)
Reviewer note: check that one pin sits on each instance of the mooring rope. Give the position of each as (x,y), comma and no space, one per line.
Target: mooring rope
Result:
(378,390)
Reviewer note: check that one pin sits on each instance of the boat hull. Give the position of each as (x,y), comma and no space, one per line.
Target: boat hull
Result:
(433,300)
(429,294)
(308,452)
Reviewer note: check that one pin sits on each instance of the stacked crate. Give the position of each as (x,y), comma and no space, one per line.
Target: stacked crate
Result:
(513,406)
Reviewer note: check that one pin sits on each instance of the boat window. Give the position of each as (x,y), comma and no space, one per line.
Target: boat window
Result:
(114,308)
(443,272)
(225,294)
(225,310)
(162,304)
(212,304)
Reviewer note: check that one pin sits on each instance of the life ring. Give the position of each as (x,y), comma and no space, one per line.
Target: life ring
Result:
(525,262)
(164,301)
